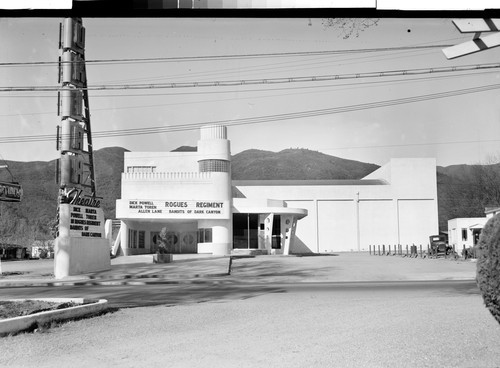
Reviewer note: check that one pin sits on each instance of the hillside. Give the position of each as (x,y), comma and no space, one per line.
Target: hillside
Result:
(29,219)
(463,190)
(296,164)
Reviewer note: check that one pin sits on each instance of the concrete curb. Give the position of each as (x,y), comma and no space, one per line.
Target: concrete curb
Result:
(115,280)
(18,324)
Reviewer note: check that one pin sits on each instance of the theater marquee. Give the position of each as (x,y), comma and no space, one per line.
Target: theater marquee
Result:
(188,209)
(86,222)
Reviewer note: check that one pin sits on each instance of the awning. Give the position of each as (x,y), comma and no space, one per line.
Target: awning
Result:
(476,226)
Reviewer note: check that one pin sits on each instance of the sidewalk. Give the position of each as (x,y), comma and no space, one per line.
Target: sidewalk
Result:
(124,270)
(341,267)
(351,267)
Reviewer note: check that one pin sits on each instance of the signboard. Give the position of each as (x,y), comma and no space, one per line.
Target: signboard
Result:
(179,209)
(10,192)
(479,42)
(86,222)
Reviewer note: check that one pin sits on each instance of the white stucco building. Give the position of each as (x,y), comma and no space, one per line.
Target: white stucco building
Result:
(192,194)
(465,232)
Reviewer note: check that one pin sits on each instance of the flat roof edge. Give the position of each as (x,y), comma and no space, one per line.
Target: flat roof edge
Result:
(308,182)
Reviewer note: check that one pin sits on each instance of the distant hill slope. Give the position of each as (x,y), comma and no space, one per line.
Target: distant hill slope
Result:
(108,170)
(29,219)
(460,192)
(465,190)
(296,164)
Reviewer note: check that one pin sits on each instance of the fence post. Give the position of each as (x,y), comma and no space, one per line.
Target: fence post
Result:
(420,250)
(378,246)
(389,250)
(463,252)
(383,249)
(428,254)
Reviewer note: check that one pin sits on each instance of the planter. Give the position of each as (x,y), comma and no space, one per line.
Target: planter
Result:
(23,323)
(162,258)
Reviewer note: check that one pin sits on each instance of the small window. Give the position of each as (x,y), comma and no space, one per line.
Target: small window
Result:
(132,238)
(141,240)
(204,235)
(141,169)
(214,166)
(464,234)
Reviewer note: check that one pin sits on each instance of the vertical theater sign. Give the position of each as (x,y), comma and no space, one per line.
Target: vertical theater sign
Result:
(80,245)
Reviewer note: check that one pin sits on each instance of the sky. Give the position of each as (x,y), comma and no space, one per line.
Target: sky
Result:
(443,119)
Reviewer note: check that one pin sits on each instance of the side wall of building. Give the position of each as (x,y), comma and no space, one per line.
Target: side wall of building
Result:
(353,217)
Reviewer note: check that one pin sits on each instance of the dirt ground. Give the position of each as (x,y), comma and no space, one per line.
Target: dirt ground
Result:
(279,329)
(301,327)
(11,309)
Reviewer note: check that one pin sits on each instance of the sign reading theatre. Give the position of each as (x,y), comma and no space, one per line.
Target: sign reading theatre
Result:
(179,209)
(86,222)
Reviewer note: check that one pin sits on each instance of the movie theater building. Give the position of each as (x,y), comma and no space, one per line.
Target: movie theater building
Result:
(191,194)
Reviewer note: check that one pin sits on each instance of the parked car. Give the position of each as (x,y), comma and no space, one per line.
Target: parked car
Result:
(439,246)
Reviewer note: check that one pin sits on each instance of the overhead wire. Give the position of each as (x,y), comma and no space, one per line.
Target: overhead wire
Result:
(267,81)
(263,119)
(295,90)
(269,67)
(222,57)
(241,91)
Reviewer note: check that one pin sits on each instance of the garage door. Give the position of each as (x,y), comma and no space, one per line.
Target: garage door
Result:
(337,226)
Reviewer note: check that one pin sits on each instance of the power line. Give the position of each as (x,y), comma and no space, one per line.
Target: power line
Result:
(336,87)
(222,57)
(240,91)
(262,119)
(267,81)
(288,65)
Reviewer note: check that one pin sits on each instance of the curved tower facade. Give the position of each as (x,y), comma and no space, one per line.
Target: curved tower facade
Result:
(215,158)
(188,194)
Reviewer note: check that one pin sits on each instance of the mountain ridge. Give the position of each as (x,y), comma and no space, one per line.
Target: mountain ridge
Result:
(30,219)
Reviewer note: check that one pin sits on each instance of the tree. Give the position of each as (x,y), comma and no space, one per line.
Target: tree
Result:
(488,266)
(486,182)
(350,27)
(468,190)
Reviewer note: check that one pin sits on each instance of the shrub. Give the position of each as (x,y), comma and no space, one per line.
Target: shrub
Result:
(43,253)
(488,266)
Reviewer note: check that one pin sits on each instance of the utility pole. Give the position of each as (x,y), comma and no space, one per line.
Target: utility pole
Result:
(80,244)
(76,162)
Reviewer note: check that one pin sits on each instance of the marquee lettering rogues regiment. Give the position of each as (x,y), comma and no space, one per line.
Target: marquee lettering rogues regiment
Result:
(179,209)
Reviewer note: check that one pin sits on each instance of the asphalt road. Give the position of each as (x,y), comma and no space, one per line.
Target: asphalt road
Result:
(362,324)
(137,294)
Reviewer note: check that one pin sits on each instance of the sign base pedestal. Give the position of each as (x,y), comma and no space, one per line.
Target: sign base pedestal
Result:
(75,256)
(81,246)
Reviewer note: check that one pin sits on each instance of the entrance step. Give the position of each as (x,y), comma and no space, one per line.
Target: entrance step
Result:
(249,252)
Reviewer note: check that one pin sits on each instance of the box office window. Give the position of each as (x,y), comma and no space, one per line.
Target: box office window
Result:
(132,238)
(141,241)
(204,235)
(464,234)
